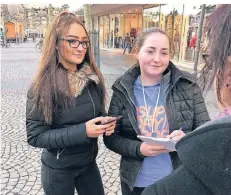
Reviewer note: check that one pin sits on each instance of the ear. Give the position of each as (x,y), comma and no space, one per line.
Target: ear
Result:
(228,77)
(228,82)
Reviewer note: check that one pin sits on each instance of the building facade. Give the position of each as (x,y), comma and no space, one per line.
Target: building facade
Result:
(179,21)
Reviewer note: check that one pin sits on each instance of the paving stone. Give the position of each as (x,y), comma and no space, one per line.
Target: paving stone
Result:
(105,178)
(111,193)
(108,185)
(4,180)
(16,190)
(33,192)
(111,180)
(114,188)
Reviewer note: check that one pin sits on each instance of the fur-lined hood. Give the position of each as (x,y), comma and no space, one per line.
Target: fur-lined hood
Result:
(79,80)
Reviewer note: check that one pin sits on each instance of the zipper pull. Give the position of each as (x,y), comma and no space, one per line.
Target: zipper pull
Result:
(57,157)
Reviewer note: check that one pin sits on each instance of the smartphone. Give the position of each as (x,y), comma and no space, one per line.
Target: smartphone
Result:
(115,119)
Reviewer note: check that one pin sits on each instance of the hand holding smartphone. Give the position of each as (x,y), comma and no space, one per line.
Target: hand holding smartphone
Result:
(109,121)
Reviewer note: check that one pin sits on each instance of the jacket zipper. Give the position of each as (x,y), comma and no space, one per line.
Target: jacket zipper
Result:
(58,153)
(131,117)
(134,126)
(93,104)
(167,110)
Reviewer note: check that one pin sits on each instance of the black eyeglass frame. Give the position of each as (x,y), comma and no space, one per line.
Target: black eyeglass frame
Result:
(85,46)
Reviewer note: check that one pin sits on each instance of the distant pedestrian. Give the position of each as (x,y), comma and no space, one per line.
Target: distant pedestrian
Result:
(192,45)
(127,43)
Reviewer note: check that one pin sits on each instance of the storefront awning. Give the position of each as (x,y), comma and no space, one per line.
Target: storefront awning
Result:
(105,9)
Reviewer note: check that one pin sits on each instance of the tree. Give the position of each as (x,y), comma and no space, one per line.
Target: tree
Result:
(87,20)
(4,12)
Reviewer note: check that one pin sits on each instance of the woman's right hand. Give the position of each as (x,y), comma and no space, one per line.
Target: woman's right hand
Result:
(93,130)
(151,150)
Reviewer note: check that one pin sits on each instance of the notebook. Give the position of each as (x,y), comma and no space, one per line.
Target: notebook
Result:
(168,144)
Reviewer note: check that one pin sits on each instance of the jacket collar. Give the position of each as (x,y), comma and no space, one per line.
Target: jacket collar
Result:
(171,76)
(79,80)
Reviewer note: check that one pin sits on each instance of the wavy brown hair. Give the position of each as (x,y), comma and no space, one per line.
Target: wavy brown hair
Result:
(219,37)
(50,87)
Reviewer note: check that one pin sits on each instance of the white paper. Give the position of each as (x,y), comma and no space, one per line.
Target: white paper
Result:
(168,144)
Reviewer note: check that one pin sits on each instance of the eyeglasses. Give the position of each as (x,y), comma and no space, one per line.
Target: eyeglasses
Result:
(73,43)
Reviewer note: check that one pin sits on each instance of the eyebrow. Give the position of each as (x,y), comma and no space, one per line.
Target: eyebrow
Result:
(161,49)
(76,37)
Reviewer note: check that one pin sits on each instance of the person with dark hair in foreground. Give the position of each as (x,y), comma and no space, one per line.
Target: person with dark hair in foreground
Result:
(206,152)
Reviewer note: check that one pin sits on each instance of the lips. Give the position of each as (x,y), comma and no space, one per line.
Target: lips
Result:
(156,66)
(78,55)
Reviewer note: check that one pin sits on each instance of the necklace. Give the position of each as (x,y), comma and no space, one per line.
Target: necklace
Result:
(146,108)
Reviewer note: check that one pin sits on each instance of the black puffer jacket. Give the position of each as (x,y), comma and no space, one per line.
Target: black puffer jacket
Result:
(184,106)
(67,134)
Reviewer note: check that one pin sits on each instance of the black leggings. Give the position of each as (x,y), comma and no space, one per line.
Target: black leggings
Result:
(58,182)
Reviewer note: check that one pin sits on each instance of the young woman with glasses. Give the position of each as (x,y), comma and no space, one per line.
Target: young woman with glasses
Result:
(65,104)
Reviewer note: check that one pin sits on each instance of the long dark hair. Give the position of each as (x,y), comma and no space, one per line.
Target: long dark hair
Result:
(50,87)
(219,37)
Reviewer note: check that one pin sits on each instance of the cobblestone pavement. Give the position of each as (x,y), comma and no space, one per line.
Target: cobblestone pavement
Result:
(20,163)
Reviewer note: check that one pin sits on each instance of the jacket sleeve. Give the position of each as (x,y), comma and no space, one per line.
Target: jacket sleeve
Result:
(117,143)
(40,135)
(201,115)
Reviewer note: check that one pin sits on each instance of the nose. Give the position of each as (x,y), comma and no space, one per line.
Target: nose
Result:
(156,57)
(80,47)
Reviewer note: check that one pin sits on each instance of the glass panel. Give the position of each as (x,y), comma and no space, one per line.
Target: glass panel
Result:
(171,17)
(112,30)
(106,31)
(116,31)
(151,17)
(192,16)
(101,37)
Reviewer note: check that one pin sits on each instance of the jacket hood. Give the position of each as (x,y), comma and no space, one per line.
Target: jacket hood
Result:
(206,152)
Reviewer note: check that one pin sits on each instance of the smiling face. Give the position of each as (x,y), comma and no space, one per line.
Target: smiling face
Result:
(154,55)
(70,53)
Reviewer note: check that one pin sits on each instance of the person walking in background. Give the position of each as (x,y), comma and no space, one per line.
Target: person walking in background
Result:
(133,50)
(192,44)
(65,103)
(127,43)
(156,99)
(206,152)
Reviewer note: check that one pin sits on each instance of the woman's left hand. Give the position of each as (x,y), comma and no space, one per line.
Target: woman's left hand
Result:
(176,135)
(110,129)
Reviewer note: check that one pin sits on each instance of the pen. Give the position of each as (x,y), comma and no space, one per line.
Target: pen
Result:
(181,128)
